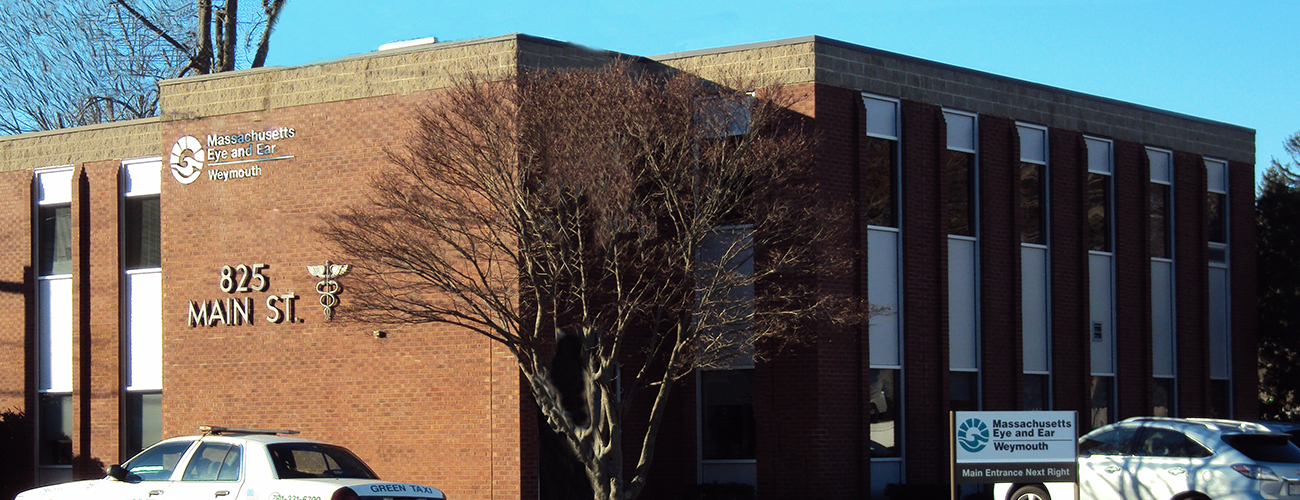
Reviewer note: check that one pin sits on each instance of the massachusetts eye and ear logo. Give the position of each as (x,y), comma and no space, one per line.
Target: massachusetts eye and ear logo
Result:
(227,157)
(973,435)
(187,159)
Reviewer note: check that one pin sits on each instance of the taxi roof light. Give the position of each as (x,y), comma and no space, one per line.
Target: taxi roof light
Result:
(217,430)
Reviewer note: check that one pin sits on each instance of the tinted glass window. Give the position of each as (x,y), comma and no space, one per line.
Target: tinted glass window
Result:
(727,419)
(157,463)
(1098,212)
(55,235)
(214,462)
(959,204)
(1112,442)
(1169,443)
(1217,205)
(315,460)
(1030,213)
(1265,447)
(879,173)
(1159,233)
(143,233)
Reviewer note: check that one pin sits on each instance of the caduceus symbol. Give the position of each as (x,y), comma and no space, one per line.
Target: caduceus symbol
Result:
(327,287)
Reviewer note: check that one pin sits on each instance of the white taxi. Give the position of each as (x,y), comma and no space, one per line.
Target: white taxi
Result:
(245,464)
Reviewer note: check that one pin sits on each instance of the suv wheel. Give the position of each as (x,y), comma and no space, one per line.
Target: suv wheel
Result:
(1031,492)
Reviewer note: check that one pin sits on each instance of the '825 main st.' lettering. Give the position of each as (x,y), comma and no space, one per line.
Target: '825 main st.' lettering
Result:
(235,311)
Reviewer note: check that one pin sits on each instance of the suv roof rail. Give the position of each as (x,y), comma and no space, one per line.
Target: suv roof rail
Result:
(1239,424)
(218,430)
(1212,425)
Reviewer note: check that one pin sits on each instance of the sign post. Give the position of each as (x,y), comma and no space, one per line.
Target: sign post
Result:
(1014,447)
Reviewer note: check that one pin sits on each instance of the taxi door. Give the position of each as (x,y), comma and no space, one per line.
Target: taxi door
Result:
(216,470)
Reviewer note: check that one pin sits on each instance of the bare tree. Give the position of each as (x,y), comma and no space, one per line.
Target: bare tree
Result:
(664,223)
(82,62)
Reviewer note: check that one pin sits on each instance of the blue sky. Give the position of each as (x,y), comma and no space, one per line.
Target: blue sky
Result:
(1234,62)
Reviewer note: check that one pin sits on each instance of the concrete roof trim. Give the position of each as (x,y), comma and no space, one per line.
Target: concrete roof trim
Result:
(365,55)
(81,129)
(819,40)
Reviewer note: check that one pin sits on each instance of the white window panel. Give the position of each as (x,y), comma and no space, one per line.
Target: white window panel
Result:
(55,186)
(1098,155)
(1101,317)
(882,117)
(1033,308)
(55,333)
(142,177)
(963,332)
(144,331)
(1220,342)
(1162,166)
(1033,144)
(882,290)
(1216,176)
(1162,318)
(961,131)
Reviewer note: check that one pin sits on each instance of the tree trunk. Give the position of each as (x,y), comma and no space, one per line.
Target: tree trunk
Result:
(230,35)
(203,60)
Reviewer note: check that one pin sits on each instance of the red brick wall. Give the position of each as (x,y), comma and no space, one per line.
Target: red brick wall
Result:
(97,316)
(1241,276)
(843,363)
(1191,295)
(17,289)
(925,294)
(807,406)
(427,404)
(1071,351)
(1001,343)
(1132,280)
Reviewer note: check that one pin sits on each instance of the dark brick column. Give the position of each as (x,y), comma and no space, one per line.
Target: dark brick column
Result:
(1132,280)
(1241,276)
(1071,351)
(1001,343)
(1191,295)
(925,294)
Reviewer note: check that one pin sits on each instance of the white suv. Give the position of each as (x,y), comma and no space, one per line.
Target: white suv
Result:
(243,464)
(1150,458)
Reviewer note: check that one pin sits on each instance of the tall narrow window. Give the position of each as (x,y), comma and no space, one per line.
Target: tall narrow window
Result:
(142,283)
(1160,231)
(53,212)
(1031,220)
(1101,280)
(1216,201)
(881,187)
(880,162)
(959,171)
(724,310)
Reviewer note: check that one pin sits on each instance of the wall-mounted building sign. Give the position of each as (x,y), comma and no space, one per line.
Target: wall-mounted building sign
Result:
(1014,446)
(227,157)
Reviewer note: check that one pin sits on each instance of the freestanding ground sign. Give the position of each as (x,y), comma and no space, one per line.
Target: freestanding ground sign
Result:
(1014,447)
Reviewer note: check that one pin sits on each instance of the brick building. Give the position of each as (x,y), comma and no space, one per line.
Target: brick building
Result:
(1039,248)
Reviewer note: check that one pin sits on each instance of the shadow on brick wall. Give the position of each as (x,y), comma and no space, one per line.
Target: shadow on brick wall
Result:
(16,472)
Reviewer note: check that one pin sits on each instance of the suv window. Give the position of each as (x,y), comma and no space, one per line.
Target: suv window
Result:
(214,462)
(1158,442)
(316,460)
(1112,442)
(1265,447)
(157,463)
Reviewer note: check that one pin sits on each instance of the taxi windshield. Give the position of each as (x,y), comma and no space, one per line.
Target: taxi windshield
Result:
(317,460)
